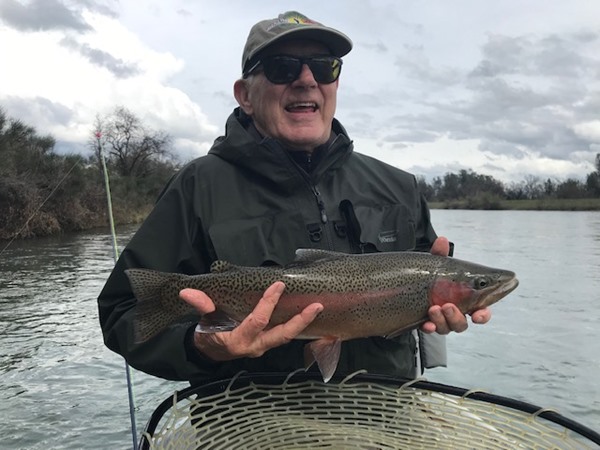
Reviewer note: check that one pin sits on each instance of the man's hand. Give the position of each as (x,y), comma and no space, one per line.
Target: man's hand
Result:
(447,318)
(251,338)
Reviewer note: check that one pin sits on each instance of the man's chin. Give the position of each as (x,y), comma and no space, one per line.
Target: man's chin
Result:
(305,141)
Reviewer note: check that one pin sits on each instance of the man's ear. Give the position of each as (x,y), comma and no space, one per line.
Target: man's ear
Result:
(241,92)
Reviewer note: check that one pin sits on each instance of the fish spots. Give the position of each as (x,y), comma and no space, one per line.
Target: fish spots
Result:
(362,295)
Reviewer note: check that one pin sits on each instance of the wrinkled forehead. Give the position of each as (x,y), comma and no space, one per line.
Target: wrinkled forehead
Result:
(298,47)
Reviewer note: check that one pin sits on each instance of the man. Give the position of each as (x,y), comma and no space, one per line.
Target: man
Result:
(283,177)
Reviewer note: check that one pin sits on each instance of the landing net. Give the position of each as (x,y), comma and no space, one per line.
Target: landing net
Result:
(360,412)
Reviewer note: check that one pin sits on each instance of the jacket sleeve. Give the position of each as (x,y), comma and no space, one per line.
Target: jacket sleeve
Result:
(169,240)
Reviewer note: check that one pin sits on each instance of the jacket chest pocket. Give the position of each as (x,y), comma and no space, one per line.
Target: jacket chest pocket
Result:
(386,228)
(259,241)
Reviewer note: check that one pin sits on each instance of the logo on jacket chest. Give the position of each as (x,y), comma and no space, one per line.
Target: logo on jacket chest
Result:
(388,237)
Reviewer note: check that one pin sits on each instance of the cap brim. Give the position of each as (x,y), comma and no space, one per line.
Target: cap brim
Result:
(337,42)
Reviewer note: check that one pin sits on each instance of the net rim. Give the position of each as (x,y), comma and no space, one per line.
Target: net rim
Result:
(279,379)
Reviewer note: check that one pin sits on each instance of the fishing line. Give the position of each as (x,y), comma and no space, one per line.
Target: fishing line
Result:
(41,205)
(113,232)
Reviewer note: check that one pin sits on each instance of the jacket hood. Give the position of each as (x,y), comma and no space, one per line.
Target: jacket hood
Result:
(269,158)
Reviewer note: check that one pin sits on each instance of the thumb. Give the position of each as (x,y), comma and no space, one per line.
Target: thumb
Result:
(441,247)
(198,300)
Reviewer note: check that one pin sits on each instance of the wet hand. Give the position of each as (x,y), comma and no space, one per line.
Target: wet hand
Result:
(447,318)
(252,338)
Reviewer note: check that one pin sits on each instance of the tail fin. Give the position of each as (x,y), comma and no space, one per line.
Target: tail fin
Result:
(151,314)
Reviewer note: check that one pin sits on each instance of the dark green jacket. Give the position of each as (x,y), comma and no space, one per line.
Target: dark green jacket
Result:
(248,202)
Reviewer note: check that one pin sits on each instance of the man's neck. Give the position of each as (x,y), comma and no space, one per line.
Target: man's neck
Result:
(256,134)
(306,159)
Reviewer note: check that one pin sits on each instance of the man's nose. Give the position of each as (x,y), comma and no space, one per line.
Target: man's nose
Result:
(306,77)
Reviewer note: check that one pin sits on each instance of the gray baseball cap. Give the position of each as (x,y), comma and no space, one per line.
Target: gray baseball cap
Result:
(292,25)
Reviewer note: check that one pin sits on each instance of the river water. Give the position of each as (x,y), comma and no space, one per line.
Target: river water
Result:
(60,388)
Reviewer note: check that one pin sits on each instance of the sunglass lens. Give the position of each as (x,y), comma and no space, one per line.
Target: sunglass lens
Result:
(281,70)
(325,70)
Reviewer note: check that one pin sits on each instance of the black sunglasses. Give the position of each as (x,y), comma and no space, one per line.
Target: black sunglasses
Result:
(284,69)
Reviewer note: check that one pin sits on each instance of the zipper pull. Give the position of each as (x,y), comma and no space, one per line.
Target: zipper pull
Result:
(320,204)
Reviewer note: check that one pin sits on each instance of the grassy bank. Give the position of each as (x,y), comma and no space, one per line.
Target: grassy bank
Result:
(550,204)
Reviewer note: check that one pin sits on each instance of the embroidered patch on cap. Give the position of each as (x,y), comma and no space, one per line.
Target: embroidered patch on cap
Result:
(291,17)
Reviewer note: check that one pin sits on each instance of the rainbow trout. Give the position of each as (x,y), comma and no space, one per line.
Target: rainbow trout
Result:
(375,294)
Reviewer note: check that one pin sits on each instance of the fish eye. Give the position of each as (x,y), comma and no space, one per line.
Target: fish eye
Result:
(481,283)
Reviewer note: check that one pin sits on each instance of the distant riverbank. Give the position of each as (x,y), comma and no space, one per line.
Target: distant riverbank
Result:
(548,204)
(137,216)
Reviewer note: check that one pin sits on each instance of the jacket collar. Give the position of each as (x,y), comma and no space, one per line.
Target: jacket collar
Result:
(267,158)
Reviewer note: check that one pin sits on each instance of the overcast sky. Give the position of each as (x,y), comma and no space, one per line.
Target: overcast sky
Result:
(508,88)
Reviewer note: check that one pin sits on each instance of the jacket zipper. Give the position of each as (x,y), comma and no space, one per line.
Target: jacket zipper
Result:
(320,204)
(315,191)
(324,219)
(317,194)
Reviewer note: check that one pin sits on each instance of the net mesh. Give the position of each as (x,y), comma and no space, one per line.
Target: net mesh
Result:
(351,414)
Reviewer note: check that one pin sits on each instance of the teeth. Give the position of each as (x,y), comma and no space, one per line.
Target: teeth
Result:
(302,105)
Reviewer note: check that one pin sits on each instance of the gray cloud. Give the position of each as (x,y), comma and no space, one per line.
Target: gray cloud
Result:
(118,67)
(184,13)
(553,55)
(359,101)
(37,111)
(41,15)
(412,135)
(523,97)
(97,6)
(378,46)
(415,65)
(360,122)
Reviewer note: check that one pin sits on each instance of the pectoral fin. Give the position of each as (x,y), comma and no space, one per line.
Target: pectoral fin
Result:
(215,322)
(326,352)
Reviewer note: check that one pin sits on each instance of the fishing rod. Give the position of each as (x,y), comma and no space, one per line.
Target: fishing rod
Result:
(40,206)
(116,257)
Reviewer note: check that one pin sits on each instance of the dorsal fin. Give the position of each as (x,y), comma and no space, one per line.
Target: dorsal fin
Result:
(219,266)
(311,255)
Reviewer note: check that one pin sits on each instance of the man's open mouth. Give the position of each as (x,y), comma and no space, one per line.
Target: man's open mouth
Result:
(302,107)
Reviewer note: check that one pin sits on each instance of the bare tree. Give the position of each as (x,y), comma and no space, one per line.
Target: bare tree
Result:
(533,187)
(131,147)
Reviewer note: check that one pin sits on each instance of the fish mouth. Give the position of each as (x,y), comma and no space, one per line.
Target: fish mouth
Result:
(491,296)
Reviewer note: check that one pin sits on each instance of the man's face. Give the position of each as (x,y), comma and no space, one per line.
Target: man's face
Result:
(299,114)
